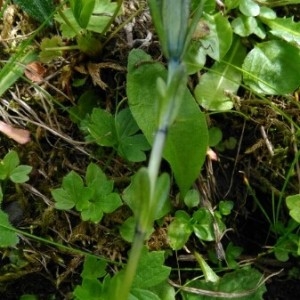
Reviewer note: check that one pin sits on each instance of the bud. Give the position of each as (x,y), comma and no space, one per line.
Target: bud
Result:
(171,20)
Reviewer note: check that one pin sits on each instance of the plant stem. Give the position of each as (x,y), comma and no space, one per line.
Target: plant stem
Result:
(134,257)
(156,157)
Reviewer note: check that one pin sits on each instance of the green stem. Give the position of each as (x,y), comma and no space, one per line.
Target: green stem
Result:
(134,257)
(156,157)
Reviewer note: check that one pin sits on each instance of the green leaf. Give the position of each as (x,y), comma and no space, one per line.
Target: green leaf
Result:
(150,271)
(219,40)
(47,55)
(82,10)
(130,145)
(232,253)
(137,194)
(192,198)
(101,15)
(72,193)
(127,229)
(215,136)
(285,28)
(8,237)
(293,204)
(187,139)
(143,294)
(195,57)
(179,230)
(89,289)
(245,26)
(101,127)
(86,102)
(93,268)
(92,212)
(238,282)
(20,174)
(40,10)
(209,274)
(110,202)
(231,4)
(102,199)
(272,68)
(162,188)
(225,207)
(203,225)
(8,164)
(97,181)
(222,80)
(249,8)
(286,245)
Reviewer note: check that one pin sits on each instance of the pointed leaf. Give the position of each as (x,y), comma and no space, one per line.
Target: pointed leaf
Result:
(208,272)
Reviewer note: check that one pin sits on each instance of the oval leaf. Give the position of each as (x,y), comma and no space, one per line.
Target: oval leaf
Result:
(221,81)
(187,139)
(272,68)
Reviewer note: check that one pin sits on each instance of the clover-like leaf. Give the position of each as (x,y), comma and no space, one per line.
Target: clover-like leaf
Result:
(20,174)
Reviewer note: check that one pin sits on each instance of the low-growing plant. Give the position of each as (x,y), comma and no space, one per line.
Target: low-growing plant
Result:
(92,198)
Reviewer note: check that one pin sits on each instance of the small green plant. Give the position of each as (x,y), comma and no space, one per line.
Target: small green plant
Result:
(147,284)
(87,22)
(91,198)
(10,170)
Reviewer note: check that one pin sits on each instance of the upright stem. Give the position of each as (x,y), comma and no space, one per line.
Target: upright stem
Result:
(156,157)
(134,257)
